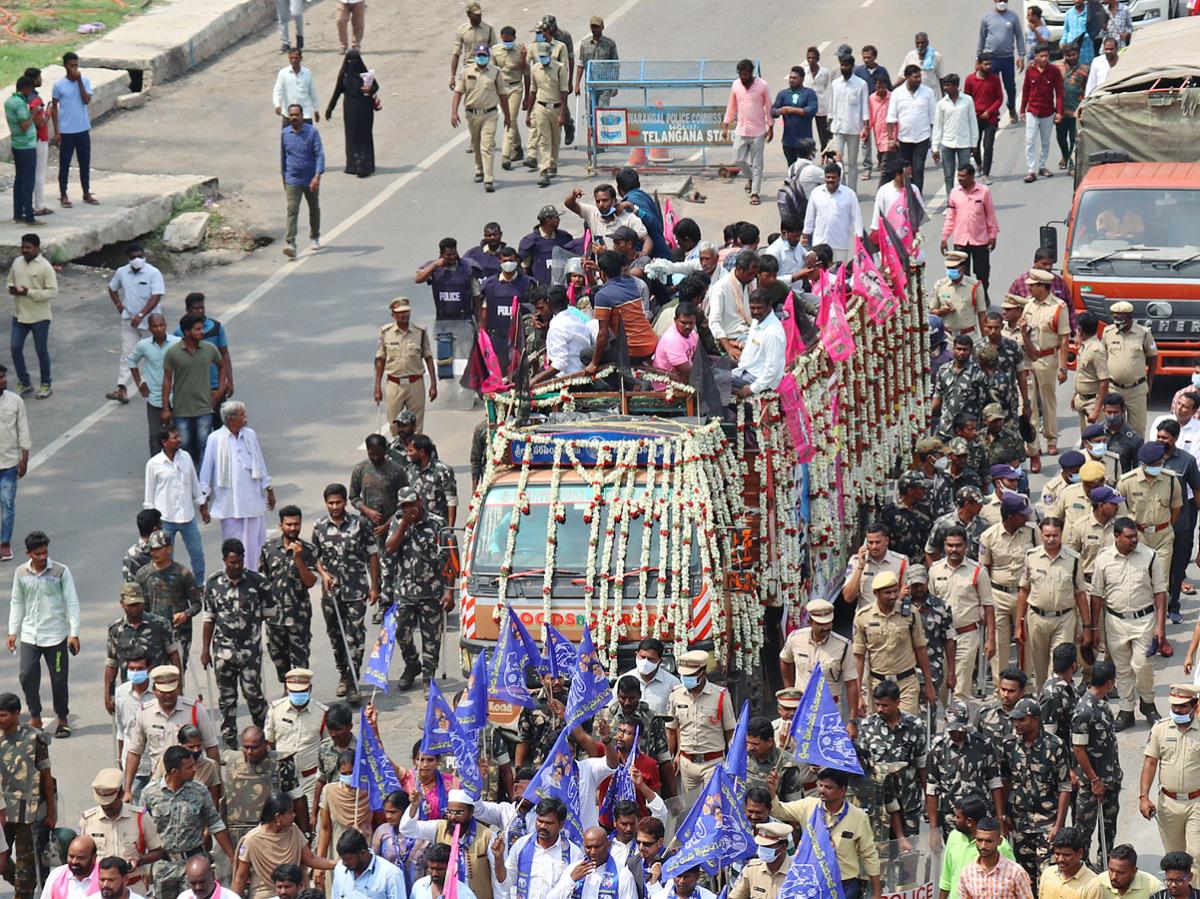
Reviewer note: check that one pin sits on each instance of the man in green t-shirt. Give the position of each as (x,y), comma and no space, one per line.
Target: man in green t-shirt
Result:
(187,394)
(23,128)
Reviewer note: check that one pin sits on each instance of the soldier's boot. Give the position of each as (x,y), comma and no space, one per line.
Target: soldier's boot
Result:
(352,695)
(342,687)
(411,670)
(1149,711)
(1123,721)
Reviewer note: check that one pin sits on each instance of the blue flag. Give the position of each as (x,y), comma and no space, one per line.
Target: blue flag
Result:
(561,655)
(531,648)
(373,770)
(375,672)
(590,691)
(439,721)
(506,676)
(716,832)
(559,778)
(472,709)
(814,873)
(736,761)
(621,786)
(819,733)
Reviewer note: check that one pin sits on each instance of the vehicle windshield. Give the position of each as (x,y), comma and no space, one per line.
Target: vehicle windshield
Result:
(1147,232)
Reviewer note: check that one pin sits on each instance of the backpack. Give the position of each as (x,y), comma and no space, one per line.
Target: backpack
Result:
(791,200)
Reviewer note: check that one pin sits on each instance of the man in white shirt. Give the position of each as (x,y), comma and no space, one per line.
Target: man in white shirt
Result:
(172,487)
(501,815)
(1102,65)
(127,699)
(910,121)
(113,872)
(955,131)
(536,861)
(604,218)
(78,878)
(233,474)
(762,365)
(596,872)
(849,117)
(656,681)
(789,249)
(294,85)
(929,60)
(685,885)
(360,873)
(567,336)
(202,881)
(433,884)
(725,306)
(833,216)
(136,289)
(818,80)
(459,810)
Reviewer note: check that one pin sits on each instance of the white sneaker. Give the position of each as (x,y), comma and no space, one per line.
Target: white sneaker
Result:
(316,244)
(289,250)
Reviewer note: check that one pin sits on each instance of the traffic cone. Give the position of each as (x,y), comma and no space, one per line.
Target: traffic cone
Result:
(661,154)
(637,156)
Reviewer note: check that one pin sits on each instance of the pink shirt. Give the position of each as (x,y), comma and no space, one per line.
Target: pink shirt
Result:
(675,349)
(751,106)
(970,217)
(878,107)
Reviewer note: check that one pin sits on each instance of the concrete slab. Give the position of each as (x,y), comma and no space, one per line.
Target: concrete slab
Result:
(173,38)
(107,86)
(130,205)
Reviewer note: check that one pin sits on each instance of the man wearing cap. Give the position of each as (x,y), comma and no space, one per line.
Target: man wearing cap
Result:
(959,387)
(537,247)
(1130,585)
(1000,436)
(1069,462)
(1094,440)
(469,35)
(1132,355)
(137,631)
(294,729)
(937,621)
(403,346)
(701,722)
(958,298)
(872,558)
(965,587)
(968,503)
(1037,771)
(817,644)
(118,828)
(961,761)
(1154,499)
(479,84)
(1173,752)
(763,876)
(849,830)
(1004,480)
(171,593)
(1002,550)
(787,701)
(891,642)
(1074,504)
(597,47)
(1091,372)
(1097,761)
(419,587)
(250,775)
(907,523)
(1052,602)
(550,83)
(476,863)
(404,426)
(512,58)
(1046,330)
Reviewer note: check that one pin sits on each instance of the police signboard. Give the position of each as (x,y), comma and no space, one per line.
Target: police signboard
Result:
(661,126)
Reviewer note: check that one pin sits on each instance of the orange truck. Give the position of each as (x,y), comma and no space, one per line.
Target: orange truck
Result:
(1134,229)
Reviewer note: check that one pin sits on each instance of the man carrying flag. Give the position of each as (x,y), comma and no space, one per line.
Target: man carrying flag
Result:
(534,864)
(630,707)
(597,875)
(636,778)
(476,865)
(763,876)
(701,722)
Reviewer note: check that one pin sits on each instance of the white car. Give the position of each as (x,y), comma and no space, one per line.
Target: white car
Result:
(1143,12)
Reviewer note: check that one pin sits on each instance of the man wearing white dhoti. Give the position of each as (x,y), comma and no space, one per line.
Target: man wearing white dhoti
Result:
(234,474)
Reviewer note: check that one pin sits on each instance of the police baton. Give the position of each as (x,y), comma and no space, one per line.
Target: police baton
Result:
(981,679)
(337,610)
(1103,860)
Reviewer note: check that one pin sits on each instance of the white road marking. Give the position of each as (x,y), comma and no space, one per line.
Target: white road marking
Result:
(867,3)
(821,46)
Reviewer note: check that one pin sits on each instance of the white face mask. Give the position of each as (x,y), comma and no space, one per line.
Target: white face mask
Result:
(136,263)
(646,667)
(508,267)
(1001,6)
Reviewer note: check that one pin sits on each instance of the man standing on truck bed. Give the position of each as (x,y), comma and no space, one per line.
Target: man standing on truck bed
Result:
(1131,351)
(701,723)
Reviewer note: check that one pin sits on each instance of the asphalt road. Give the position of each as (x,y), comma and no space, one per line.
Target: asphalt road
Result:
(303,332)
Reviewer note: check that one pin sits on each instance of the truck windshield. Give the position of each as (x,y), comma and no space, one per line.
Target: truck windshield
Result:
(1136,232)
(529,553)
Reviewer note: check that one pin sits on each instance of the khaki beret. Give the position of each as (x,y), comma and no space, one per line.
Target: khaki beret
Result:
(301,677)
(165,677)
(1121,307)
(883,580)
(692,661)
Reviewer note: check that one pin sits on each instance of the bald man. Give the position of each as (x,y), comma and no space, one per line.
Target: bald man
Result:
(597,867)
(202,882)
(73,878)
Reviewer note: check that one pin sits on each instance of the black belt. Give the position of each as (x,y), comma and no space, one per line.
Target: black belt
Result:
(1047,614)
(184,855)
(1086,396)
(1131,616)
(556,105)
(1139,382)
(900,675)
(481,111)
(1005,588)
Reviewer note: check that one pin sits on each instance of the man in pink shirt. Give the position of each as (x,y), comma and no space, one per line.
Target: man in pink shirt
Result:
(971,224)
(750,104)
(678,345)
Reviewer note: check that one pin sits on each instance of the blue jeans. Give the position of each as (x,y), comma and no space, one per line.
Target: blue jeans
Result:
(8,503)
(1006,68)
(191,541)
(25,163)
(41,340)
(79,144)
(193,434)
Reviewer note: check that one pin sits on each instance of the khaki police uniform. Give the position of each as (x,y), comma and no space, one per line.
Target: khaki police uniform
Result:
(965,299)
(833,654)
(1178,799)
(154,731)
(1071,505)
(548,85)
(760,882)
(700,722)
(514,69)
(849,828)
(1086,537)
(1054,488)
(889,641)
(1151,501)
(1130,354)
(892,561)
(130,835)
(1003,555)
(1127,585)
(404,354)
(481,89)
(1051,586)
(1091,370)
(296,734)
(991,510)
(1049,322)
(467,36)
(967,590)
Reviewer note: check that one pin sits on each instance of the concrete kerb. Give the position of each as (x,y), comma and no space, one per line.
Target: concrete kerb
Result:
(107,86)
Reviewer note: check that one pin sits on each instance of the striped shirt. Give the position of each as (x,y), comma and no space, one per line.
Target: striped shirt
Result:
(1007,880)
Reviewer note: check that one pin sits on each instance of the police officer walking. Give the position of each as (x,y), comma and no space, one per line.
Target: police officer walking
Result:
(1002,550)
(1038,786)
(511,57)
(806,647)
(701,723)
(469,34)
(547,103)
(958,298)
(1154,499)
(171,593)
(893,748)
(1131,353)
(294,729)
(961,761)
(136,631)
(1097,760)
(480,86)
(1173,752)
(965,587)
(873,557)
(120,829)
(403,347)
(1046,329)
(891,642)
(1052,600)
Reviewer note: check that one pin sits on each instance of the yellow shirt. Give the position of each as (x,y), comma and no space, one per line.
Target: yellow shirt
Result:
(38,278)
(1128,355)
(1143,887)
(1003,554)
(1128,583)
(1088,536)
(889,640)
(853,839)
(1053,885)
(1052,583)
(965,589)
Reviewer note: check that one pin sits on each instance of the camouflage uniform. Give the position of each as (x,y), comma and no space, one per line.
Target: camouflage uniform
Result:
(791,779)
(1057,701)
(152,636)
(345,552)
(181,817)
(883,748)
(937,534)
(327,760)
(939,499)
(539,728)
(1005,441)
(993,722)
(956,769)
(1001,387)
(1092,728)
(1037,774)
(247,785)
(173,589)
(939,627)
(1010,353)
(24,755)
(417,588)
(436,486)
(397,452)
(978,460)
(135,558)
(653,739)
(237,612)
(289,633)
(961,391)
(909,528)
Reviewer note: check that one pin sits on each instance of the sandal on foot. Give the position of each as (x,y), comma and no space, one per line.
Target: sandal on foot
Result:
(754,200)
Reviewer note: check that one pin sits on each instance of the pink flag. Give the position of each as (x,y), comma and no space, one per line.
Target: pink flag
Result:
(821,289)
(796,415)
(868,283)
(450,887)
(899,219)
(836,335)
(893,263)
(587,241)
(669,221)
(795,343)
(494,381)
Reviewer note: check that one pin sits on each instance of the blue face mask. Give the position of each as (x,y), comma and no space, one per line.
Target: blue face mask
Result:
(539,36)
(510,45)
(482,60)
(768,853)
(299,699)
(1073,478)
(690,681)
(347,779)
(953,274)
(1196,380)
(139,677)
(1153,470)
(1099,449)
(544,60)
(1181,720)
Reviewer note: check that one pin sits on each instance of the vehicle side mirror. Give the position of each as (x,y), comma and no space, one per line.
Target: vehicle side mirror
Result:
(1048,239)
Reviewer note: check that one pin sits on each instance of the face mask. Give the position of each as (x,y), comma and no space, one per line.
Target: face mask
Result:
(1181,720)
(544,60)
(510,45)
(1196,380)
(139,677)
(298,699)
(953,274)
(768,853)
(609,213)
(690,681)
(1001,6)
(1098,449)
(137,263)
(1073,479)
(196,755)
(646,667)
(1114,421)
(942,464)
(347,779)
(508,267)
(1153,470)
(482,60)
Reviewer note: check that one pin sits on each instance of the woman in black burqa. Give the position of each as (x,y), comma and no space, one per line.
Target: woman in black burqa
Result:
(358,114)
